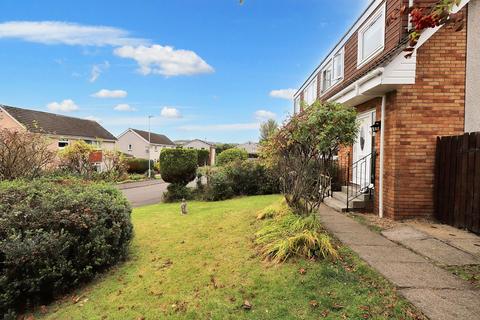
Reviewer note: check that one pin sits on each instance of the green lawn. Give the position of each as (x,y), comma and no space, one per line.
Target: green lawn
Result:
(204,266)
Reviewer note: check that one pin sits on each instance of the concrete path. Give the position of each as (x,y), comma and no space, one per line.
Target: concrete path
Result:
(434,291)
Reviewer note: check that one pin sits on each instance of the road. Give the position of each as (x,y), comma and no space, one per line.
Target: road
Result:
(144,192)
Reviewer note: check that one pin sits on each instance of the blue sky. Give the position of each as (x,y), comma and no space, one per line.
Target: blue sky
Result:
(203,69)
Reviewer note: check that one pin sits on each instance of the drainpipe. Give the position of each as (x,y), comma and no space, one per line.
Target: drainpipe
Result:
(382,144)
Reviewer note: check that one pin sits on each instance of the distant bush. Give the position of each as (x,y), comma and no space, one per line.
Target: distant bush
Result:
(251,178)
(56,235)
(239,178)
(178,167)
(23,154)
(75,159)
(203,157)
(137,165)
(219,187)
(231,155)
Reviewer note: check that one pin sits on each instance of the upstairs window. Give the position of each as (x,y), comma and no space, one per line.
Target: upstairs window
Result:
(63,143)
(371,37)
(310,94)
(129,147)
(296,105)
(333,72)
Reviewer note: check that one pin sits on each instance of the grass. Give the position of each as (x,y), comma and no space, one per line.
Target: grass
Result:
(470,273)
(205,266)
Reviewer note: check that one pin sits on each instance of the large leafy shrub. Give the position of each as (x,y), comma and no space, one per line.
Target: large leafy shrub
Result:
(231,155)
(219,187)
(251,178)
(137,165)
(239,178)
(23,154)
(301,152)
(56,235)
(178,165)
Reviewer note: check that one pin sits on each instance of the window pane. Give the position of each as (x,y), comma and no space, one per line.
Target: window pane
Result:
(337,67)
(372,38)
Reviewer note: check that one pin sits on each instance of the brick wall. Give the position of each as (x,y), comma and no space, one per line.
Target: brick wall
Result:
(415,116)
(395,31)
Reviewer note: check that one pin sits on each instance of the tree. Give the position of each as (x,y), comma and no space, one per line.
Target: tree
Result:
(301,152)
(267,129)
(23,154)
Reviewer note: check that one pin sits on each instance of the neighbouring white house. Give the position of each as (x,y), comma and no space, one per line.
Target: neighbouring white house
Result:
(252,149)
(198,144)
(142,144)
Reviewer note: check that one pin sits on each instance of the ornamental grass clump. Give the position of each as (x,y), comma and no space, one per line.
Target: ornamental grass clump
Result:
(288,235)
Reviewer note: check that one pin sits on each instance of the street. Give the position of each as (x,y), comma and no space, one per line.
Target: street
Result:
(144,192)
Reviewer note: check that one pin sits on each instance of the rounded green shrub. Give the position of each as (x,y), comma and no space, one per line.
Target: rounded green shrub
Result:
(178,166)
(56,235)
(231,155)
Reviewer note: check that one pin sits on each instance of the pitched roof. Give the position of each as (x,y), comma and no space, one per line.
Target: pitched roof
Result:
(50,123)
(250,147)
(155,138)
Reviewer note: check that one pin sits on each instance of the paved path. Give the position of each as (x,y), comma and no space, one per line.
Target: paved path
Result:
(436,292)
(144,192)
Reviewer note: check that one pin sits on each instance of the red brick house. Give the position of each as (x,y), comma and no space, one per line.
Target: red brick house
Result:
(410,101)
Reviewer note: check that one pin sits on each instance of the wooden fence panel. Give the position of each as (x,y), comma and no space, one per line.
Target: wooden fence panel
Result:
(457,181)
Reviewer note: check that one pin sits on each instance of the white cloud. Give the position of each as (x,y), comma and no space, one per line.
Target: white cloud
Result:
(65,106)
(286,94)
(170,112)
(97,70)
(164,60)
(105,93)
(222,127)
(57,32)
(93,118)
(124,107)
(262,115)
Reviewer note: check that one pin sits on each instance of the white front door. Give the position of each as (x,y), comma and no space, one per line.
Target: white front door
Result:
(362,149)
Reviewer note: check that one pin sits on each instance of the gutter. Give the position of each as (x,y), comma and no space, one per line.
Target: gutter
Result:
(356,85)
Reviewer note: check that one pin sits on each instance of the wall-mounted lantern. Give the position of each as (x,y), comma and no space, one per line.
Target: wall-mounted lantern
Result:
(376,127)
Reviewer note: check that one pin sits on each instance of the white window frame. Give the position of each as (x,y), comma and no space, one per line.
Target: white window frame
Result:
(296,105)
(310,94)
(64,140)
(379,14)
(331,67)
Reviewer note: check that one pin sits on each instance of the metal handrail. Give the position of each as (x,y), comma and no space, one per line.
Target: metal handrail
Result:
(365,183)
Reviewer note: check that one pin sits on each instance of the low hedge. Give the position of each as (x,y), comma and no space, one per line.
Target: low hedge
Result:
(240,178)
(137,165)
(56,235)
(231,155)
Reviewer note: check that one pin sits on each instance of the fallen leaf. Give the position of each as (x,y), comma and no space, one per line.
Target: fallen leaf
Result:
(43,309)
(313,303)
(302,271)
(247,305)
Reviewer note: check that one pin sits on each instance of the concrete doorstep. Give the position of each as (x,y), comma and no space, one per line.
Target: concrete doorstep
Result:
(434,291)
